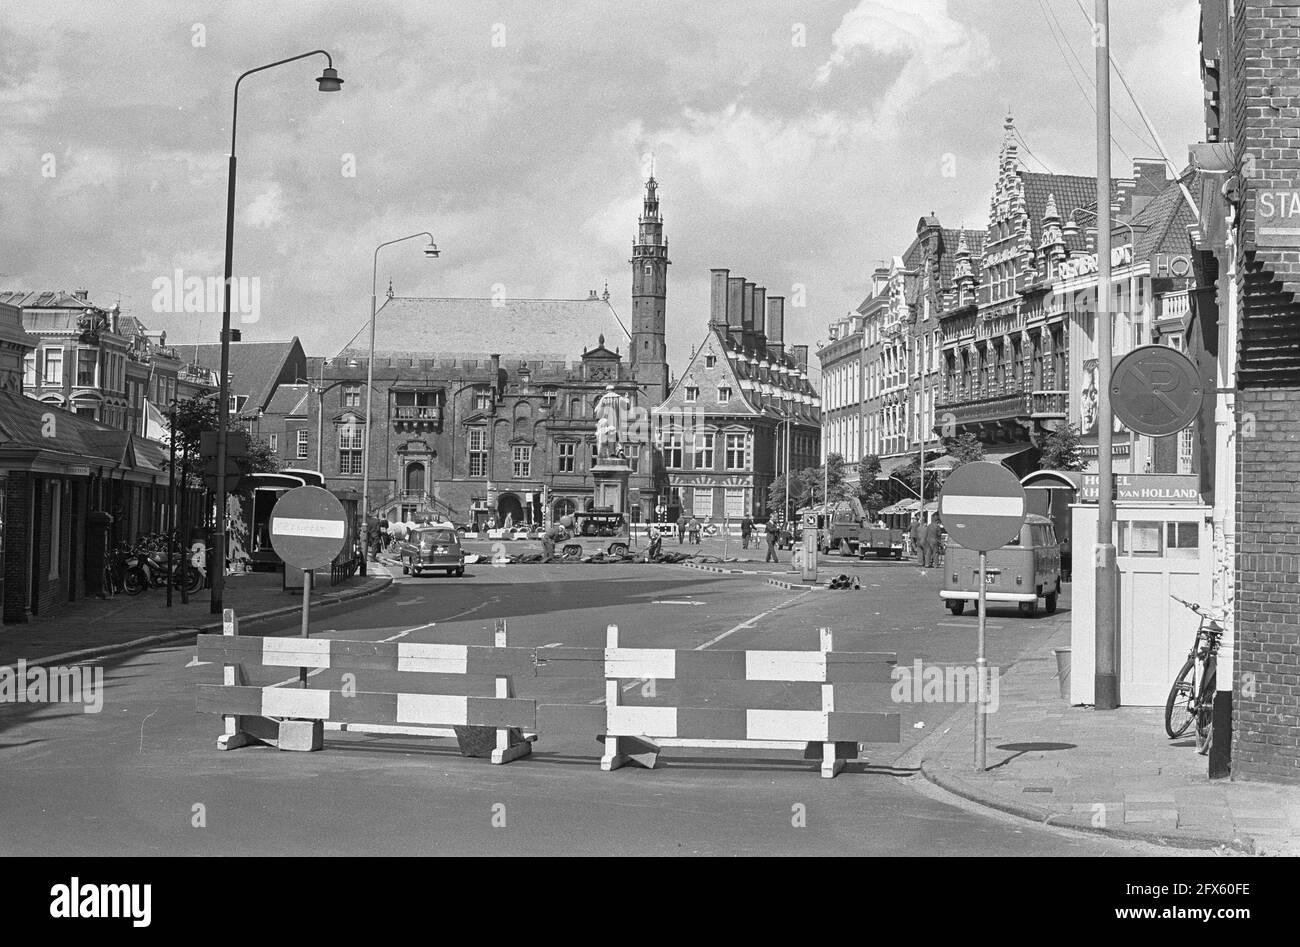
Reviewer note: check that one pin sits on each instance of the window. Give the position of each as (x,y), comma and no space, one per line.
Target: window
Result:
(478,452)
(704,451)
(724,394)
(350,447)
(275,443)
(29,370)
(735,498)
(692,394)
(54,366)
(302,444)
(351,396)
(703,500)
(710,361)
(1182,541)
(1140,538)
(482,399)
(417,405)
(673,450)
(87,365)
(568,456)
(521,462)
(736,452)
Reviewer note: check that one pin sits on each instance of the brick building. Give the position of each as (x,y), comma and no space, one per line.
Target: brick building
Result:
(1250,214)
(486,408)
(743,411)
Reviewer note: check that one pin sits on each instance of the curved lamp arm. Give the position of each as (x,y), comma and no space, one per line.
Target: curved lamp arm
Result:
(271,65)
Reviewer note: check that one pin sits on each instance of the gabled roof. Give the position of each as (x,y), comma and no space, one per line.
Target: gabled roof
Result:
(256,368)
(530,329)
(54,299)
(22,427)
(1162,224)
(289,400)
(1070,192)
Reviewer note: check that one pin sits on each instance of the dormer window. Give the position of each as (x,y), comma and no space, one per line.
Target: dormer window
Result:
(710,361)
(692,394)
(724,393)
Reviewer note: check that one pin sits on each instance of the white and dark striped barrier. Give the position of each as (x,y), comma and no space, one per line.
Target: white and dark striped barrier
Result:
(638,733)
(483,726)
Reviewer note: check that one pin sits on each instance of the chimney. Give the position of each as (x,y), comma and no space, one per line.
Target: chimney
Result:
(776,325)
(82,294)
(498,383)
(718,298)
(747,315)
(760,319)
(800,353)
(1149,179)
(735,307)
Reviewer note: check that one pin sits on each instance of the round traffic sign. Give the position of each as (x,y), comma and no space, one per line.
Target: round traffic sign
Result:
(308,527)
(1155,390)
(982,505)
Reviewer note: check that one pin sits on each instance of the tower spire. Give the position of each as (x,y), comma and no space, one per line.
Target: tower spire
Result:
(648,358)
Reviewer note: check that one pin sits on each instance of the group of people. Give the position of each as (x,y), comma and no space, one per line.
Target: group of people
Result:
(926,543)
(689,528)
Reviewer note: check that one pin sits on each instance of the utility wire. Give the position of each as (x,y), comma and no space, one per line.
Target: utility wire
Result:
(1030,152)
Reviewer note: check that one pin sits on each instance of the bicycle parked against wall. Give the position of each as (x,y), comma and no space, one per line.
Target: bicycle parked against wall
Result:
(146,567)
(1191,699)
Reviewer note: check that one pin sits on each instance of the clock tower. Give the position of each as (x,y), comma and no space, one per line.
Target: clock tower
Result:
(649,359)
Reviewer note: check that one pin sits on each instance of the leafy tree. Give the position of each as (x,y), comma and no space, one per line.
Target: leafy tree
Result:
(197,415)
(1061,450)
(868,468)
(963,449)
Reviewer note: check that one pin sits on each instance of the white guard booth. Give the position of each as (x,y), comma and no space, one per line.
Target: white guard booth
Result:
(1163,548)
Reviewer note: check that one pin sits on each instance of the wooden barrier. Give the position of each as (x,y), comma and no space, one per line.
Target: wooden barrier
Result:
(484,726)
(637,733)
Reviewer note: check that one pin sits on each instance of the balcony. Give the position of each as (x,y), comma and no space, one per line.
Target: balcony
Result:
(417,417)
(1009,408)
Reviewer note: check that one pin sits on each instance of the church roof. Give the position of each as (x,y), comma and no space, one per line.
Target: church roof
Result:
(532,329)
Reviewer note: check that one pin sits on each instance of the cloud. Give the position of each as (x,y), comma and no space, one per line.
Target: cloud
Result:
(266,209)
(933,45)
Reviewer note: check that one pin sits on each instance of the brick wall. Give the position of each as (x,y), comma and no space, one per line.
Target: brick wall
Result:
(1266,692)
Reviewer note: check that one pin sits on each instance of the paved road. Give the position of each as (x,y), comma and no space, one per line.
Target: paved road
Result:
(139,777)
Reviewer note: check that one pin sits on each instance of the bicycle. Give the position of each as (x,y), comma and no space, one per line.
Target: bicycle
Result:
(1189,701)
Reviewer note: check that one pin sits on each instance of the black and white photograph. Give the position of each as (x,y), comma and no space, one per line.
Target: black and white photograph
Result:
(584,429)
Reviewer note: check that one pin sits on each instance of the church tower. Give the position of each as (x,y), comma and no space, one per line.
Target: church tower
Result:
(649,359)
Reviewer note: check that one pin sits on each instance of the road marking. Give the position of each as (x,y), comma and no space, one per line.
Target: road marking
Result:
(554,644)
(195,662)
(750,622)
(409,601)
(675,602)
(963,624)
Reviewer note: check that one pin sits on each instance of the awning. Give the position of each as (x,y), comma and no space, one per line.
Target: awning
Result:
(902,506)
(1020,458)
(890,464)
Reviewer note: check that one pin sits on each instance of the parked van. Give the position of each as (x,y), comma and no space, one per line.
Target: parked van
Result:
(1023,571)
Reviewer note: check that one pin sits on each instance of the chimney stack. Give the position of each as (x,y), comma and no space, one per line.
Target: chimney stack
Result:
(760,320)
(735,308)
(718,298)
(776,325)
(747,316)
(800,353)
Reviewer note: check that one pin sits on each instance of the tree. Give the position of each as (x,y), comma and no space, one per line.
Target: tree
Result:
(197,415)
(827,480)
(964,449)
(868,468)
(1061,450)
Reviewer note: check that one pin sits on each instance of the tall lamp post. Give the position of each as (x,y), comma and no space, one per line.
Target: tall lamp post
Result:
(328,81)
(1106,673)
(431,251)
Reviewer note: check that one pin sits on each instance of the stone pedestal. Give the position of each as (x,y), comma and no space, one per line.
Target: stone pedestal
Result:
(611,474)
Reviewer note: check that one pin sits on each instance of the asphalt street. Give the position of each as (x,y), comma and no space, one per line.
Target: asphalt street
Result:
(144,775)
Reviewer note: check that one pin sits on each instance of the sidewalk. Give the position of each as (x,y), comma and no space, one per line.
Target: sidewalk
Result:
(92,627)
(1114,772)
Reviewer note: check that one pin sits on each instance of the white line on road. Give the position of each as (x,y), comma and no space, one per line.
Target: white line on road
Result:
(666,601)
(750,623)
(963,624)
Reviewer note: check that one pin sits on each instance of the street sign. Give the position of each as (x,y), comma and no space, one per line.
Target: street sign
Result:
(308,527)
(1277,217)
(1150,488)
(810,519)
(1155,390)
(982,505)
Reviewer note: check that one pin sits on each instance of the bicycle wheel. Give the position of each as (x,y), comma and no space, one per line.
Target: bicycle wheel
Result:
(1205,708)
(134,581)
(193,579)
(1179,706)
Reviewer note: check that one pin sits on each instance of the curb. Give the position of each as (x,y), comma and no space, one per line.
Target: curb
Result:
(796,586)
(704,568)
(181,634)
(1245,846)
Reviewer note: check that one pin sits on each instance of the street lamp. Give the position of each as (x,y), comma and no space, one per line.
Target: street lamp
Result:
(431,252)
(328,81)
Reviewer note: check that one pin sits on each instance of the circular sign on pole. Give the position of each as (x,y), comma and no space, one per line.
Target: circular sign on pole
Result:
(982,506)
(308,527)
(1155,390)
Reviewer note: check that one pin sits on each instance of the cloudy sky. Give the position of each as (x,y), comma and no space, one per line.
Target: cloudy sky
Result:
(796,143)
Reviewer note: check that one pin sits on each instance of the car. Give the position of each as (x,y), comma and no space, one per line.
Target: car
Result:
(432,548)
(1023,571)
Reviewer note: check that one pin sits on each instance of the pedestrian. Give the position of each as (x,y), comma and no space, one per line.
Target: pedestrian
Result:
(681,529)
(930,545)
(914,537)
(771,542)
(656,543)
(694,528)
(746,530)
(383,535)
(397,533)
(553,533)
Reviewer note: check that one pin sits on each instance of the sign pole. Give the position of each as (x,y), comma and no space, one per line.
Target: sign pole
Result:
(307,576)
(981,676)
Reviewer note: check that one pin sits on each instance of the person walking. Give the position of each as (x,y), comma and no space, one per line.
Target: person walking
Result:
(771,542)
(930,545)
(914,537)
(746,530)
(681,529)
(694,527)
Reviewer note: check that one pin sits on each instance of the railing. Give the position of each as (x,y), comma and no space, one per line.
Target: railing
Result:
(1173,306)
(1034,404)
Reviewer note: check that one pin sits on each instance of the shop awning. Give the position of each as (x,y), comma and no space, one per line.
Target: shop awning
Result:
(890,464)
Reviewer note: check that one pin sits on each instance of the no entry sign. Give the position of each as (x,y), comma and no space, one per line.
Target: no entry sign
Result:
(1155,390)
(308,527)
(982,506)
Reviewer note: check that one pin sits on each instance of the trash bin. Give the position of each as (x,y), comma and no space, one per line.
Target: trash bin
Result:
(1063,670)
